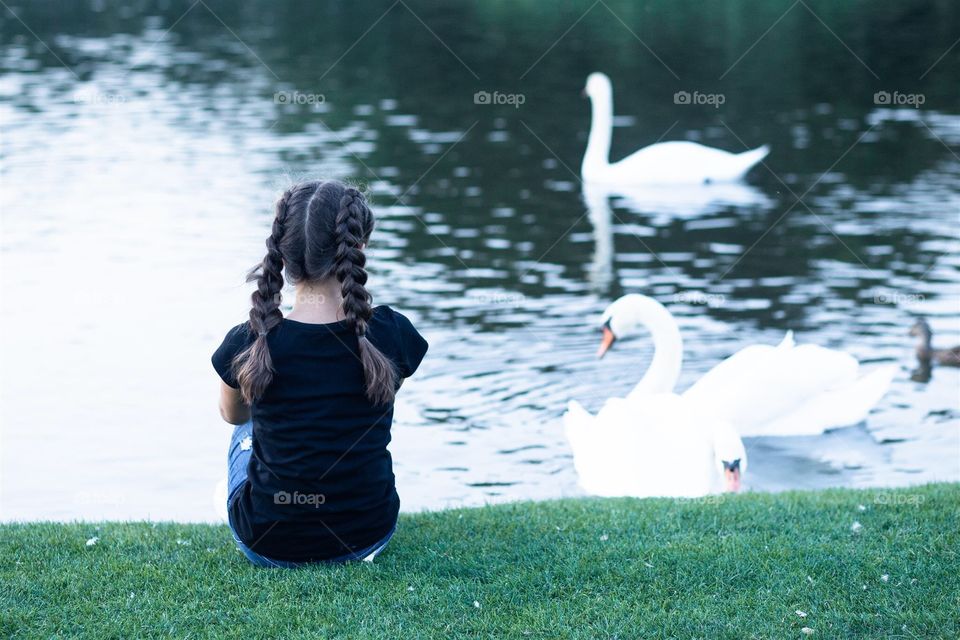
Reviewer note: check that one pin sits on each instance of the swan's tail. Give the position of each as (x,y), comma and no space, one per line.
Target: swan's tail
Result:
(747,159)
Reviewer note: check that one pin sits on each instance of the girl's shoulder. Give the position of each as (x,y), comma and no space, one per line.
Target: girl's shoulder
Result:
(240,332)
(238,337)
(388,323)
(394,333)
(389,318)
(234,342)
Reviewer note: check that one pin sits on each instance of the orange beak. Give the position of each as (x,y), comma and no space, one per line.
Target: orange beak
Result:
(607,342)
(733,480)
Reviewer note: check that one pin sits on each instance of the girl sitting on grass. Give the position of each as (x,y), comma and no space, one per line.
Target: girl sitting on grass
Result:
(309,475)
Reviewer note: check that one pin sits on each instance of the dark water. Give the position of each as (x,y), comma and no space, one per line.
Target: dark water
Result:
(142,148)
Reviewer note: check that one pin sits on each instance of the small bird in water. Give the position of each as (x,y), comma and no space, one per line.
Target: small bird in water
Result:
(926,353)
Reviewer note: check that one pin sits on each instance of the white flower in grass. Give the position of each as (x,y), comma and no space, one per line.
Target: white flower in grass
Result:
(856,527)
(604,538)
(807,631)
(802,614)
(476,604)
(92,541)
(885,578)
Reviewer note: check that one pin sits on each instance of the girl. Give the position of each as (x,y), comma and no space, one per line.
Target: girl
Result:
(309,475)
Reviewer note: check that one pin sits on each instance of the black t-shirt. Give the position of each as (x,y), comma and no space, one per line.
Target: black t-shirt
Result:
(320,479)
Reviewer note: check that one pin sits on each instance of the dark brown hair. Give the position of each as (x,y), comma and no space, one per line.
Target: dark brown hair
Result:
(319,231)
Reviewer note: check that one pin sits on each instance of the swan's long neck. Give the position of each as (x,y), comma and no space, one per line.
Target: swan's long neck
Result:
(664,370)
(601,125)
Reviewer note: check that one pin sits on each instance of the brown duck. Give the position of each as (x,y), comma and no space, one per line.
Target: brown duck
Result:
(926,353)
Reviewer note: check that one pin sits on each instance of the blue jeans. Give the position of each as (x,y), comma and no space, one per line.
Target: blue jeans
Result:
(238,459)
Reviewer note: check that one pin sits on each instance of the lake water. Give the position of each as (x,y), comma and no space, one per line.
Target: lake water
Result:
(142,150)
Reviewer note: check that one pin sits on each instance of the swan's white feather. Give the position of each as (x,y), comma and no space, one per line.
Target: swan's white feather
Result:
(678,162)
(652,446)
(838,407)
(789,390)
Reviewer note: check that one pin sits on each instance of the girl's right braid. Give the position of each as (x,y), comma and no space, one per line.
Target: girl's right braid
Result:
(253,367)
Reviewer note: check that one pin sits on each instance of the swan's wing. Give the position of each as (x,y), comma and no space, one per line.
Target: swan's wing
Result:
(726,377)
(838,407)
(682,161)
(576,416)
(599,455)
(676,153)
(759,388)
(578,424)
(761,371)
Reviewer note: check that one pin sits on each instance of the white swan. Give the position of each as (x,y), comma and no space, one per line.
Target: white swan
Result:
(760,390)
(662,163)
(654,442)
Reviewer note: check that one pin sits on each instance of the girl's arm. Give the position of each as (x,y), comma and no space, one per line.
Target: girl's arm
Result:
(232,407)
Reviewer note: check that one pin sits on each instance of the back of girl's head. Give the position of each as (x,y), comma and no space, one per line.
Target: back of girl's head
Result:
(320,230)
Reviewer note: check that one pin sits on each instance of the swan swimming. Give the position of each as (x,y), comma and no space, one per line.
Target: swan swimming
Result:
(662,163)
(653,442)
(762,390)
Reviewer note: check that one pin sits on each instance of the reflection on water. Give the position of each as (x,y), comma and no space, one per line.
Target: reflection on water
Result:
(138,183)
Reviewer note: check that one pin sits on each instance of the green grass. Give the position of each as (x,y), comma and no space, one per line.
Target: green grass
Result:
(737,567)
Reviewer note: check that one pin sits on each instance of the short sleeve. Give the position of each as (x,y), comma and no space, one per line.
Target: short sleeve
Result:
(235,341)
(413,346)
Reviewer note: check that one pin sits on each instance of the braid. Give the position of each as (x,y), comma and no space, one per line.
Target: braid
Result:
(253,366)
(353,227)
(350,261)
